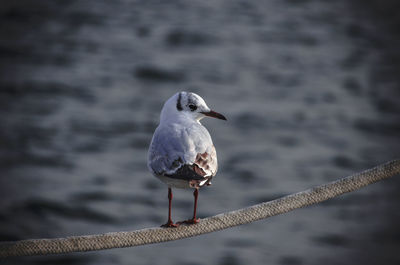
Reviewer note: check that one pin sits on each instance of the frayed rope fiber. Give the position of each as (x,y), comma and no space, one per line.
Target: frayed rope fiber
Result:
(206,225)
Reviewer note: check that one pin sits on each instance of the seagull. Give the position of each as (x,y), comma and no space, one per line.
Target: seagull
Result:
(181,152)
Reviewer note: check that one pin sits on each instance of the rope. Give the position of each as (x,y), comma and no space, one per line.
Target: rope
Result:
(207,225)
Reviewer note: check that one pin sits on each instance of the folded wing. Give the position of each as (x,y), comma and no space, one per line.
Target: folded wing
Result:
(183,154)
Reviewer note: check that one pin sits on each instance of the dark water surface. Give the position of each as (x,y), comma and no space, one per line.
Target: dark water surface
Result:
(311,90)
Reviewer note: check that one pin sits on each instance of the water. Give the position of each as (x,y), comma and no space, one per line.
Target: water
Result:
(310,90)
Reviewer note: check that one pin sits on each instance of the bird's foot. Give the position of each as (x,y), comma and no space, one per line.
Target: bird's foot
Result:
(170,224)
(190,221)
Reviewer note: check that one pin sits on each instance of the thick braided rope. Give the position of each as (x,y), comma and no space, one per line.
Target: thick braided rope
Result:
(207,225)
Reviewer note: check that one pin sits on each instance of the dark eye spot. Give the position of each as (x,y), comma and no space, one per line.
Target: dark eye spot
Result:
(192,107)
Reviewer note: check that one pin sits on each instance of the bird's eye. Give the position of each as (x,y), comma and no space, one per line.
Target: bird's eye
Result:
(192,107)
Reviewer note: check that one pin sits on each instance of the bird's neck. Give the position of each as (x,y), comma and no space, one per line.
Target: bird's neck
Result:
(178,117)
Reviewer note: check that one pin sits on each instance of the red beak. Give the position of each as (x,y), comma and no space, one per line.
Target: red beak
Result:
(214,114)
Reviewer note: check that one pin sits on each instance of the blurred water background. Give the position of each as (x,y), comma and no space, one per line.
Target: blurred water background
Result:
(311,90)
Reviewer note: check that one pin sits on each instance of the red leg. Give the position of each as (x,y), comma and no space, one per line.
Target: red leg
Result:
(169,223)
(196,195)
(194,220)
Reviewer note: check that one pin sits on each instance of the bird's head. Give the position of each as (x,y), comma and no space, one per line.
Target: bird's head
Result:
(189,105)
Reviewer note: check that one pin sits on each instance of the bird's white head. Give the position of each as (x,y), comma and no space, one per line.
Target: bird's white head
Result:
(187,105)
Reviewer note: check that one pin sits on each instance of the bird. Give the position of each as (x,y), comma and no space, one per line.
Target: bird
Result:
(181,153)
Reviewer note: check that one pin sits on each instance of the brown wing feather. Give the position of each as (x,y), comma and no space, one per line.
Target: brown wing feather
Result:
(199,171)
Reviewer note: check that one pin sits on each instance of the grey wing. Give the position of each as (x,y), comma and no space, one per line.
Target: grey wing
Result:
(166,153)
(174,151)
(202,152)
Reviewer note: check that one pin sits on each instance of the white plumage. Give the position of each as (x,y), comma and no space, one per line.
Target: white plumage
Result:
(182,153)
